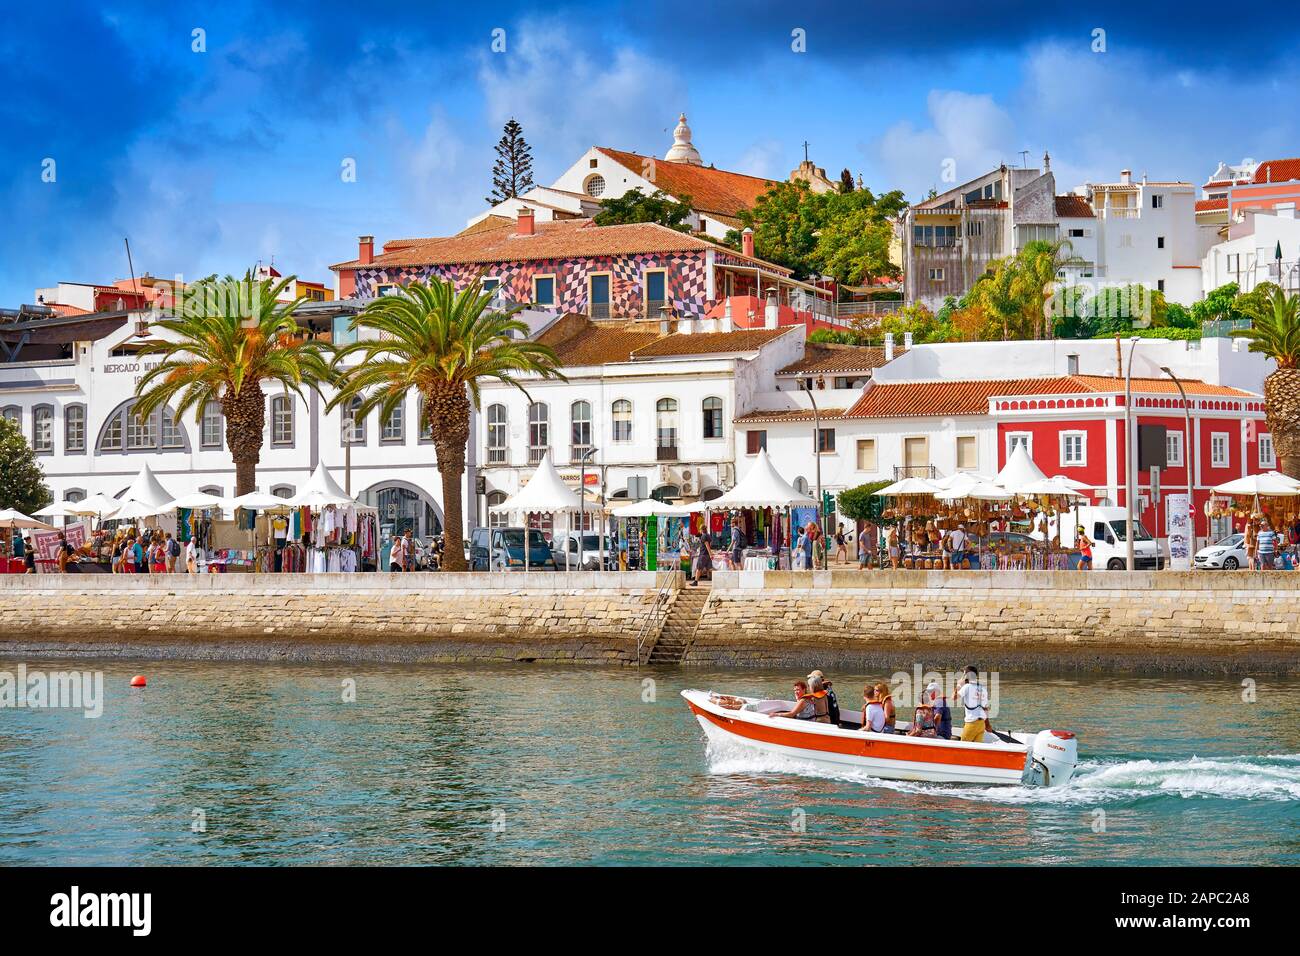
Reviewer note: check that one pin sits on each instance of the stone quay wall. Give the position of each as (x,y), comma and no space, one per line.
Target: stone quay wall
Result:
(1156,620)
(1062,620)
(587,617)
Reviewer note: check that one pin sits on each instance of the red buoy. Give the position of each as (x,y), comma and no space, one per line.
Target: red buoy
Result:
(138,680)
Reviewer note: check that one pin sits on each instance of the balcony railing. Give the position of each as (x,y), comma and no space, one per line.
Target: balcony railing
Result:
(666,453)
(653,306)
(577,453)
(915,471)
(600,310)
(536,453)
(497,456)
(1123,212)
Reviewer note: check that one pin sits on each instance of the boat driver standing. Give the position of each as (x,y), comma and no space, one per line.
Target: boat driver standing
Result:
(974,698)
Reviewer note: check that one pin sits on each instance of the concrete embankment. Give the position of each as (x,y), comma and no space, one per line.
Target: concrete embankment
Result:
(1210,621)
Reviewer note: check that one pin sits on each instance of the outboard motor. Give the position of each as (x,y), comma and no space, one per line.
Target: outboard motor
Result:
(1052,759)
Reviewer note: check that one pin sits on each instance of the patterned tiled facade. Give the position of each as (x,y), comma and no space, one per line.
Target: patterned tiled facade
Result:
(686,279)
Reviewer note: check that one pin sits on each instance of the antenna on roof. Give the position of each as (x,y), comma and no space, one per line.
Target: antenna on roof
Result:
(1024,159)
(130,265)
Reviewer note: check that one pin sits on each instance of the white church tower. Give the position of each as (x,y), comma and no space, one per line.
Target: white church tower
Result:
(682,150)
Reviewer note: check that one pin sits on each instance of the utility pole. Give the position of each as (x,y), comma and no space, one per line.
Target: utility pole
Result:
(1130,462)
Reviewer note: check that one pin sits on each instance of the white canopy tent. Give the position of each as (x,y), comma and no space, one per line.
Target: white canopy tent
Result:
(320,491)
(97,504)
(255,501)
(545,493)
(196,501)
(1052,486)
(147,490)
(1072,483)
(762,487)
(10,518)
(1020,473)
(650,508)
(64,509)
(1284,478)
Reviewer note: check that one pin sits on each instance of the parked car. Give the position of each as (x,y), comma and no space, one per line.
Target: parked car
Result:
(1106,526)
(502,549)
(591,549)
(1227,553)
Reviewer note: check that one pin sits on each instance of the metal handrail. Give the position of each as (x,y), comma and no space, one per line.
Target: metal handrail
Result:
(660,605)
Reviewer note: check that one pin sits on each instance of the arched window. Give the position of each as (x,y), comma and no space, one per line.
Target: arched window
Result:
(393,431)
(74,429)
(621,413)
(801,485)
(14,414)
(539,431)
(43,429)
(211,490)
(712,409)
(125,431)
(666,424)
(497,519)
(282,420)
(74,494)
(580,431)
(498,436)
(282,491)
(356,433)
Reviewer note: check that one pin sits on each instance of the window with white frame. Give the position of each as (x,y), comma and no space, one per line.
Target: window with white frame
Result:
(1020,439)
(43,429)
(1174,448)
(579,430)
(968,458)
(539,431)
(352,425)
(1074,449)
(140,431)
(497,519)
(281,420)
(393,429)
(1267,458)
(936,275)
(666,423)
(621,413)
(866,454)
(74,429)
(173,436)
(712,410)
(1219,449)
(211,429)
(497,435)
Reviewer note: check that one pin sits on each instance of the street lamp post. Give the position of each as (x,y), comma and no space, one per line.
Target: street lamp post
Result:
(582,504)
(1130,464)
(349,426)
(1187,450)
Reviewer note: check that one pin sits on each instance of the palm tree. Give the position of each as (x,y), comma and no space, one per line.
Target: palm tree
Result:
(230,336)
(1275,332)
(1039,265)
(997,292)
(443,344)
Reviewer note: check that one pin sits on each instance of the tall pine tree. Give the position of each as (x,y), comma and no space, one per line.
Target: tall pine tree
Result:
(22,483)
(512,173)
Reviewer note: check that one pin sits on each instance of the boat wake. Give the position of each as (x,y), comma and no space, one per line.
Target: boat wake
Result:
(1271,777)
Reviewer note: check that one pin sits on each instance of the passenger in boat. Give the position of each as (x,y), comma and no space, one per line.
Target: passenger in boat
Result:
(803,704)
(939,707)
(887,701)
(923,721)
(833,703)
(873,713)
(975,699)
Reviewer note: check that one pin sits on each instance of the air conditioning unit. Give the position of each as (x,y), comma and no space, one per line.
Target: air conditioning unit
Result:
(690,481)
(668,476)
(726,474)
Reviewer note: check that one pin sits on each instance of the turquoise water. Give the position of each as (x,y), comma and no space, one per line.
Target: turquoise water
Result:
(509,765)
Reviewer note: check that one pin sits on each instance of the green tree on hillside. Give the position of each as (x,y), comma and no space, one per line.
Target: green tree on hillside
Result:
(636,206)
(22,483)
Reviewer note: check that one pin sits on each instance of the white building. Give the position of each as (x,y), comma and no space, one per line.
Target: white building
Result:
(1147,234)
(1249,255)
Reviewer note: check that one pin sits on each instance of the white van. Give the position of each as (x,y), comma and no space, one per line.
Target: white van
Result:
(1106,527)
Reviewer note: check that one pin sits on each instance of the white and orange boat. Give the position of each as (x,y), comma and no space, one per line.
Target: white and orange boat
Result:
(1046,758)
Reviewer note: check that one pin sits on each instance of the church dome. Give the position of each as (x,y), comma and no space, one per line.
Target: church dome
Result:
(682,150)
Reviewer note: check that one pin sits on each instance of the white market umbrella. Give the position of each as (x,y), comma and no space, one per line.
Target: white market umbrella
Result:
(1073,483)
(1287,479)
(196,501)
(650,508)
(1051,486)
(320,491)
(958,478)
(9,518)
(131,509)
(1278,486)
(977,490)
(908,486)
(64,509)
(254,501)
(97,504)
(147,490)
(762,487)
(1020,473)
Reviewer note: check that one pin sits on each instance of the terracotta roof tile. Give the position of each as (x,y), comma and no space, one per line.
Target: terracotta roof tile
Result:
(776,416)
(714,191)
(1073,207)
(564,238)
(1210,205)
(711,343)
(905,399)
(600,343)
(1277,171)
(818,357)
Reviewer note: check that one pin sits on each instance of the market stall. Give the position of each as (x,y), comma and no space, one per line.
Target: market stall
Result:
(544,494)
(759,517)
(647,531)
(1255,503)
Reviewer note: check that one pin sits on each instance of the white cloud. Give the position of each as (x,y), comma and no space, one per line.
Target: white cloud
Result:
(763,159)
(968,134)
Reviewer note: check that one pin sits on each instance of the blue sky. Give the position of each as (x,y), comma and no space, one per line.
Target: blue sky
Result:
(210,161)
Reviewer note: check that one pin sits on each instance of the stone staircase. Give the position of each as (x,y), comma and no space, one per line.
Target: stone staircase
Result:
(679,625)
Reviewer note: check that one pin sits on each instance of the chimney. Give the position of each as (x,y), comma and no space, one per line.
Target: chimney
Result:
(686,324)
(889,346)
(366,249)
(725,324)
(747,242)
(907,341)
(525,226)
(667,322)
(1125,177)
(770,312)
